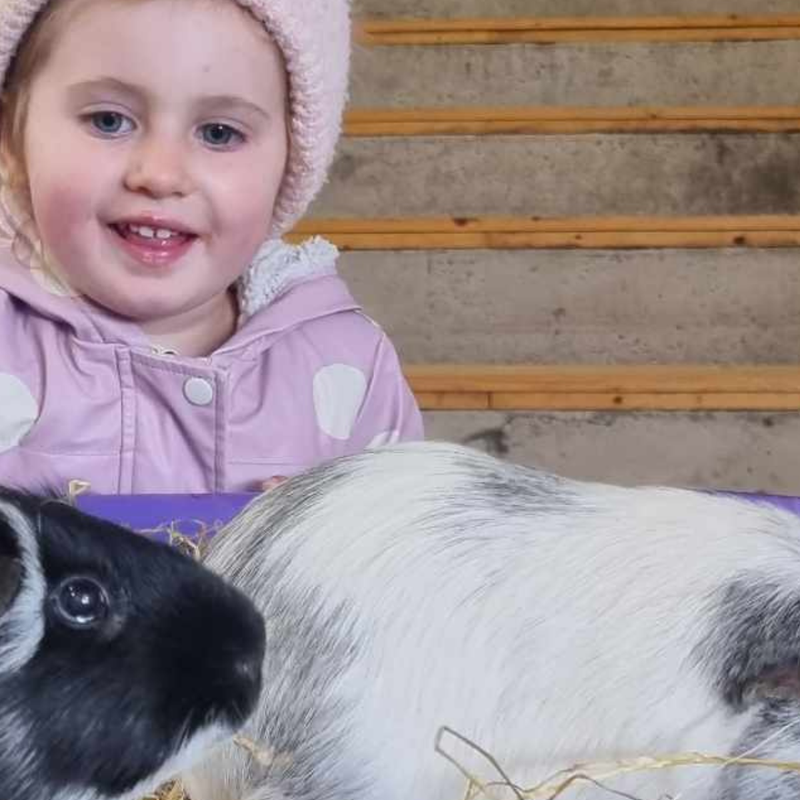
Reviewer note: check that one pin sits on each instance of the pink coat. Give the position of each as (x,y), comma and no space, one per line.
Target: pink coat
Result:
(306,377)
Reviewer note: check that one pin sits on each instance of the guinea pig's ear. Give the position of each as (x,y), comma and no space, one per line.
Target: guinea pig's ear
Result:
(754,645)
(10,566)
(777,683)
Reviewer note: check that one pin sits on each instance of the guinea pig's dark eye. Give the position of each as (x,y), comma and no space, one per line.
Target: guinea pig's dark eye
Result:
(80,602)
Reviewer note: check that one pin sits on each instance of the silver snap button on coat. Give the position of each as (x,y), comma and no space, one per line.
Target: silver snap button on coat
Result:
(198,391)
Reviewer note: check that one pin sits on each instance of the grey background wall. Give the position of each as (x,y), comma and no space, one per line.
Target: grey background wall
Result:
(669,306)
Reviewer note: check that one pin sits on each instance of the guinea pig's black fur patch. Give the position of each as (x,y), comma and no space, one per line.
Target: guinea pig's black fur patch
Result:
(103,706)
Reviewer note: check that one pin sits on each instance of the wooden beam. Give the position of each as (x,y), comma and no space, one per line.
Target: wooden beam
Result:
(552,30)
(593,378)
(482,121)
(696,387)
(511,233)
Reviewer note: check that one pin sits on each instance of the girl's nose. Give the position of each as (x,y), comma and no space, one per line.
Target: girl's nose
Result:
(158,168)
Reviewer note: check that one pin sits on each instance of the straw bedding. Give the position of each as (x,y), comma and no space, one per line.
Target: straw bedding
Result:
(500,784)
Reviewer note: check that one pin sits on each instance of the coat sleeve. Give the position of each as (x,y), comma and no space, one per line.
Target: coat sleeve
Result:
(389,412)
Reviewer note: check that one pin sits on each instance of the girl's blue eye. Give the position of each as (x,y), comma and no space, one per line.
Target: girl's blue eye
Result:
(110,123)
(217,134)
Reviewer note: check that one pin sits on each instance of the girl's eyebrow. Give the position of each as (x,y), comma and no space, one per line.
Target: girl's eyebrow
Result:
(106,84)
(232,104)
(210,103)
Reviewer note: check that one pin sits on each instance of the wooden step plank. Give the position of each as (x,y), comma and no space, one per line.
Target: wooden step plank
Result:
(546,37)
(550,30)
(441,224)
(453,401)
(592,388)
(513,233)
(642,402)
(594,378)
(483,121)
(617,240)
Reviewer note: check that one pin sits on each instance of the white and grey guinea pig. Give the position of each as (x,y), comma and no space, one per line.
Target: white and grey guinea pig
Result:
(550,621)
(121,659)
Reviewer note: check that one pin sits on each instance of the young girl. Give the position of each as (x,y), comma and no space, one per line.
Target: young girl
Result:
(155,333)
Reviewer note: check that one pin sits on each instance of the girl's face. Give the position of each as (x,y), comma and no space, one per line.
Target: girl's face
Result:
(155,144)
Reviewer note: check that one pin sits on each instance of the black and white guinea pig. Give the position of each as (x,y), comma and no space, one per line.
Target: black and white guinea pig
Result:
(550,621)
(121,659)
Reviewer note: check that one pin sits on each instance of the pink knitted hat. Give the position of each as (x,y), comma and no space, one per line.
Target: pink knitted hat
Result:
(314,36)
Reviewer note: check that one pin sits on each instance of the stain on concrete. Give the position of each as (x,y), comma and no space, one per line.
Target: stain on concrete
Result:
(756,175)
(344,167)
(494,441)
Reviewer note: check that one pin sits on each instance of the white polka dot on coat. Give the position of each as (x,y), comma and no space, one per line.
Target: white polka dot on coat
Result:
(18,411)
(339,391)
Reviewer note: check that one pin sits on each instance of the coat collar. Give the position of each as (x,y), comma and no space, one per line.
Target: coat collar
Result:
(284,286)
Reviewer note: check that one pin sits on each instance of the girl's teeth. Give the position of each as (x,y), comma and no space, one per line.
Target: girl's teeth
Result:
(147,232)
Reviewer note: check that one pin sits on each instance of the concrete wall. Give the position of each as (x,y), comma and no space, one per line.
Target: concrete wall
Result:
(616,74)
(743,451)
(660,306)
(568,306)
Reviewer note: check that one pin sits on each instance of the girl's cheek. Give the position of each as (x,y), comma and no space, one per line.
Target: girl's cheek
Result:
(57,209)
(58,217)
(247,203)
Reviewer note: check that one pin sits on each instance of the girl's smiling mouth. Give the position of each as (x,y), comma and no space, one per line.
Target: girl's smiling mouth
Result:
(153,242)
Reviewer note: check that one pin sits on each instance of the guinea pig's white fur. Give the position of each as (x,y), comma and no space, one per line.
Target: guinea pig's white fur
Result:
(550,621)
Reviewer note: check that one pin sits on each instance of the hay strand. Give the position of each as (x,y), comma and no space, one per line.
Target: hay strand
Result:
(596,773)
(170,791)
(265,756)
(473,781)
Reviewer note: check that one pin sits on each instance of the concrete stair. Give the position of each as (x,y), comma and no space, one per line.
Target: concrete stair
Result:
(590,307)
(565,175)
(601,74)
(674,302)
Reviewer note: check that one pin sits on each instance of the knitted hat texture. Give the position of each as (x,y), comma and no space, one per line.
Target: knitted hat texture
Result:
(314,37)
